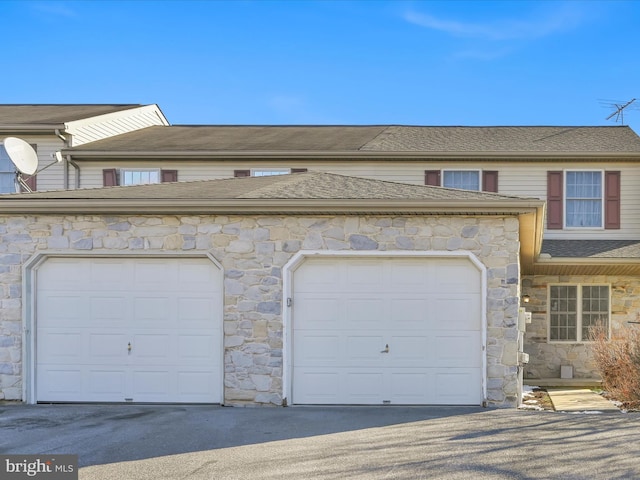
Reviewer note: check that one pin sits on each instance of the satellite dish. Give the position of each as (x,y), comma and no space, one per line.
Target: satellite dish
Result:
(23,156)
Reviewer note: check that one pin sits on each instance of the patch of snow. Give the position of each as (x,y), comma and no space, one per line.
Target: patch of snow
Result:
(526,406)
(585,412)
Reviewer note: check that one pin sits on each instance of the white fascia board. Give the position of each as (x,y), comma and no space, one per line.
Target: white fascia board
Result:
(75,125)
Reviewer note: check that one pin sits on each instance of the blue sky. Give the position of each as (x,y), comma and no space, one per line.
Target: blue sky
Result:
(330,62)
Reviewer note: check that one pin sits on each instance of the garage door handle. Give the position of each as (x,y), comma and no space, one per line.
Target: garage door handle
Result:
(386,349)
(129,347)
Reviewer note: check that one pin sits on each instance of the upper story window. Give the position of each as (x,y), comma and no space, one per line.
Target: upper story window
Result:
(112,177)
(139,177)
(7,173)
(583,199)
(485,180)
(574,309)
(267,172)
(463,179)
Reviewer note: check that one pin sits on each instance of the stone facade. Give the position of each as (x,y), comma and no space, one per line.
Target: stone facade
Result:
(253,251)
(546,358)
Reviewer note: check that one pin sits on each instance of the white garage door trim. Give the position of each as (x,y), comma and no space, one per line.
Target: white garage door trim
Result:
(29,290)
(300,257)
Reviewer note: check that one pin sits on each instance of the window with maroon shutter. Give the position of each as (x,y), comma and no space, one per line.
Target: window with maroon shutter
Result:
(31,183)
(612,200)
(490,181)
(242,173)
(110,177)
(554,200)
(432,177)
(168,176)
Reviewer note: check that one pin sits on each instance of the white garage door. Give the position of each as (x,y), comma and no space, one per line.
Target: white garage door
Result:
(128,330)
(387,330)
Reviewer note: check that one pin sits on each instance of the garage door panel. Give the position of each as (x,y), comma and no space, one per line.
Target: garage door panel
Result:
(458,350)
(428,310)
(364,312)
(456,311)
(150,348)
(197,349)
(64,309)
(364,351)
(104,383)
(61,347)
(107,347)
(317,386)
(457,387)
(368,275)
(171,326)
(411,387)
(413,351)
(314,348)
(409,312)
(363,387)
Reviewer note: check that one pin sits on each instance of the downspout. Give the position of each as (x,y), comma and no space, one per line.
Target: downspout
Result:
(68,162)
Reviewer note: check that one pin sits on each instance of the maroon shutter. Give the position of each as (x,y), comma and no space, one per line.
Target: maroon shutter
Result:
(168,176)
(242,173)
(554,200)
(612,200)
(31,183)
(298,170)
(109,177)
(432,177)
(490,181)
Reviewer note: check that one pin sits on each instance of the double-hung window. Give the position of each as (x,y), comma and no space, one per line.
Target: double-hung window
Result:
(462,179)
(584,204)
(574,309)
(7,173)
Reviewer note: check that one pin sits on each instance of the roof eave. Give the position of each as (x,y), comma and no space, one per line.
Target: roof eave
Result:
(131,154)
(32,127)
(266,205)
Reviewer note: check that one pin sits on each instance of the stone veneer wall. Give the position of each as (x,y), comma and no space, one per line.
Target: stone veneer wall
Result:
(547,358)
(253,251)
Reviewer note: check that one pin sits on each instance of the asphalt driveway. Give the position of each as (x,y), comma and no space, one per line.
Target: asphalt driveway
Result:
(136,442)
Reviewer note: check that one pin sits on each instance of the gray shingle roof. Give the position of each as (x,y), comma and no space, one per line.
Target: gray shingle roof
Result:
(592,248)
(302,186)
(23,114)
(372,139)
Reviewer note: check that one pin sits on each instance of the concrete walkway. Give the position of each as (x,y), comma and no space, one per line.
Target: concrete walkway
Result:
(579,400)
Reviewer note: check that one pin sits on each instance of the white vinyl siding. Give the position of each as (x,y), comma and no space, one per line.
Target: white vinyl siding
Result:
(528,179)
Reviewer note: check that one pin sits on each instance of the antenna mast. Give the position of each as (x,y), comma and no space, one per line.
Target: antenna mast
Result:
(620,111)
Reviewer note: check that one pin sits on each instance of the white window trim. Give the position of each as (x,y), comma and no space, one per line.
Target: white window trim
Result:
(479,171)
(564,199)
(272,171)
(123,171)
(578,313)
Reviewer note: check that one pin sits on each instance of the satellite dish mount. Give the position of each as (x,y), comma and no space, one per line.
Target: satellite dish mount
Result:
(25,160)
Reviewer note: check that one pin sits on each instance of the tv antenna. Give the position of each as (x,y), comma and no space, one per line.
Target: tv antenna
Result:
(25,159)
(619,112)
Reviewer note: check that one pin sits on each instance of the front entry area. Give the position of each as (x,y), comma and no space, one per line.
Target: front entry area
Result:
(387,330)
(128,329)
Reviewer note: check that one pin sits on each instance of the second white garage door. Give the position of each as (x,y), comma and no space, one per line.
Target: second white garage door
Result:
(128,330)
(387,331)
